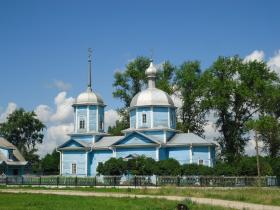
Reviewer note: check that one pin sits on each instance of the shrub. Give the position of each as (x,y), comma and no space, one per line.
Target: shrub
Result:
(224,169)
(141,166)
(194,169)
(168,167)
(113,166)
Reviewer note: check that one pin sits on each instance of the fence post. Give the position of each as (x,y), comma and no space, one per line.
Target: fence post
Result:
(135,181)
(156,181)
(22,180)
(7,181)
(178,181)
(57,181)
(76,181)
(95,181)
(40,181)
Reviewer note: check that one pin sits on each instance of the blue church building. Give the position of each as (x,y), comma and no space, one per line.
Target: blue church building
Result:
(152,133)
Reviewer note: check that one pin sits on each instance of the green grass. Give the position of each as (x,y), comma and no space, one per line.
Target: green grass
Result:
(267,196)
(54,202)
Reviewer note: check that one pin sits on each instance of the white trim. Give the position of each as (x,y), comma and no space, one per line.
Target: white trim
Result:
(97,119)
(191,158)
(152,117)
(157,153)
(87,119)
(62,163)
(71,172)
(86,163)
(76,120)
(114,153)
(168,117)
(136,117)
(164,137)
(209,157)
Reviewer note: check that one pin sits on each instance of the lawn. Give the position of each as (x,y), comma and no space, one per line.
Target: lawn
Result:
(55,202)
(268,196)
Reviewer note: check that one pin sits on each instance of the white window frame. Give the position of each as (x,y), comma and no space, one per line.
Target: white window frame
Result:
(82,121)
(200,162)
(72,171)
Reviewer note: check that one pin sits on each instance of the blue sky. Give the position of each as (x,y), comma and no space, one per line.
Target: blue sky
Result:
(46,41)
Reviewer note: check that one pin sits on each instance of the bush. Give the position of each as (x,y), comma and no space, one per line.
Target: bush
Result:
(247,166)
(141,166)
(113,167)
(168,167)
(224,169)
(194,169)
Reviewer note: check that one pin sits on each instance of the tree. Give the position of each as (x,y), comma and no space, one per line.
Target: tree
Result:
(189,85)
(237,91)
(50,163)
(117,129)
(25,131)
(268,129)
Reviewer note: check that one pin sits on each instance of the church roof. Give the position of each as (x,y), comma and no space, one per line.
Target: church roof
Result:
(19,159)
(107,141)
(188,139)
(89,98)
(152,95)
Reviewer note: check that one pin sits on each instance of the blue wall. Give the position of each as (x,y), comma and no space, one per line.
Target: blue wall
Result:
(81,115)
(92,118)
(133,118)
(78,157)
(160,116)
(147,151)
(159,135)
(182,154)
(96,157)
(200,153)
(147,111)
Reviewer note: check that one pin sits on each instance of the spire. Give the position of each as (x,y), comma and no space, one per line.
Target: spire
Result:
(151,74)
(89,89)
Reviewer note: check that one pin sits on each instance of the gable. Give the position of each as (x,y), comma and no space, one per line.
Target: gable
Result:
(71,143)
(135,139)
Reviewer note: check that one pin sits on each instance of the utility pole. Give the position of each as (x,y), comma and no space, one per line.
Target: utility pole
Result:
(257,156)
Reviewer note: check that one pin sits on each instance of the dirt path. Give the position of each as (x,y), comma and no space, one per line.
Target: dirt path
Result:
(208,201)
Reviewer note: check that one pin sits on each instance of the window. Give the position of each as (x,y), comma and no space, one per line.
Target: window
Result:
(82,124)
(200,162)
(10,155)
(144,118)
(74,168)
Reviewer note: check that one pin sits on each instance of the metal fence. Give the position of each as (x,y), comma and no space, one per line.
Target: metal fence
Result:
(179,181)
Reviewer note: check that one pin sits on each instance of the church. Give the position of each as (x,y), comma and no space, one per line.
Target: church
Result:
(152,133)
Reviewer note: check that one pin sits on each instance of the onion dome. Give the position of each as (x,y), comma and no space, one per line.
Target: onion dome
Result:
(152,96)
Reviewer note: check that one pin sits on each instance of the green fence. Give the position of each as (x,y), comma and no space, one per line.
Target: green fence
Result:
(184,181)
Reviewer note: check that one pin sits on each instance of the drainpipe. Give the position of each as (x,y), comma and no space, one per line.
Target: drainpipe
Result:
(158,152)
(87,160)
(113,151)
(60,161)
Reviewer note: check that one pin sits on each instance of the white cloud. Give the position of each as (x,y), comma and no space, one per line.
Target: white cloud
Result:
(43,113)
(111,116)
(256,55)
(274,62)
(64,110)
(55,135)
(10,109)
(60,85)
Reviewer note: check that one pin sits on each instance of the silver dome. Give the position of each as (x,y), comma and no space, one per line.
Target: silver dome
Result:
(152,97)
(89,98)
